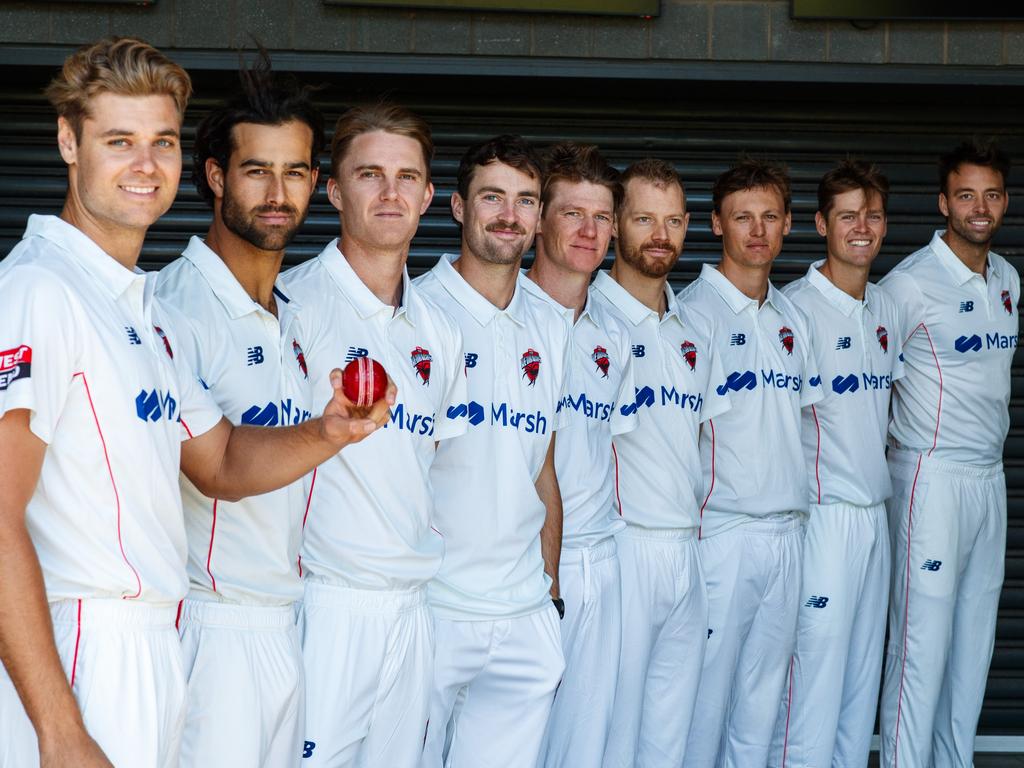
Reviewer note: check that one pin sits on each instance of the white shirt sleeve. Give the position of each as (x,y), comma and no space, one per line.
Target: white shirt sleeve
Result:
(561,419)
(812,391)
(910,303)
(38,343)
(715,402)
(620,422)
(450,417)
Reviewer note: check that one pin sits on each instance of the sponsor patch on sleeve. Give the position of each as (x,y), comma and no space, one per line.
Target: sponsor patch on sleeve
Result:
(15,364)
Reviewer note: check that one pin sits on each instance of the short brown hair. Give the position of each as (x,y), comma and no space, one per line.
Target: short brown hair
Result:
(123,66)
(513,151)
(660,173)
(752,173)
(974,151)
(577,163)
(382,116)
(849,175)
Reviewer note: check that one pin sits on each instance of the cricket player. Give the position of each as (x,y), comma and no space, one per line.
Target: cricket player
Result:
(96,415)
(578,202)
(498,652)
(828,709)
(753,514)
(369,547)
(947,514)
(658,473)
(255,163)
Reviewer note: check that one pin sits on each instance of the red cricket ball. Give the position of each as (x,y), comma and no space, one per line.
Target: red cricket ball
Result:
(364,381)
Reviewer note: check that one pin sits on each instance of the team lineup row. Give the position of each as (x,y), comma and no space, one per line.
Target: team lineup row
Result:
(591,523)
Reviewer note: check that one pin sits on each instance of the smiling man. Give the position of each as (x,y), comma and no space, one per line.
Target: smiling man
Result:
(947,515)
(754,469)
(499,655)
(828,711)
(97,414)
(580,196)
(255,164)
(369,547)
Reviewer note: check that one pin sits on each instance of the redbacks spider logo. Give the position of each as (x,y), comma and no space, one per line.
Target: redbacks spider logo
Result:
(689,353)
(421,362)
(1007,304)
(786,337)
(300,358)
(163,338)
(883,338)
(530,363)
(600,358)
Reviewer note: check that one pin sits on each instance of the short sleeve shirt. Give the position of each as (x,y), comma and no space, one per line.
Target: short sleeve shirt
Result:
(488,509)
(82,348)
(676,372)
(753,455)
(600,404)
(959,332)
(370,508)
(253,365)
(859,355)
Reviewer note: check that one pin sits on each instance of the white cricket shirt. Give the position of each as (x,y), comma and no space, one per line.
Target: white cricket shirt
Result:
(676,371)
(488,509)
(82,347)
(753,455)
(859,356)
(254,367)
(959,333)
(599,403)
(370,508)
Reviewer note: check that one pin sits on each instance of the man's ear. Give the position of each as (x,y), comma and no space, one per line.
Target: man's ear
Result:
(215,177)
(67,142)
(458,207)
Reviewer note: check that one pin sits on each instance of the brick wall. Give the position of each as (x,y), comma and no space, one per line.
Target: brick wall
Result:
(717,30)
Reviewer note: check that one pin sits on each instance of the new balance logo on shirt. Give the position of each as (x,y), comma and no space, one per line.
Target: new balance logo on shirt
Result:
(931,565)
(814,601)
(471,358)
(966,306)
(133,336)
(638,350)
(254,356)
(737,340)
(354,352)
(843,342)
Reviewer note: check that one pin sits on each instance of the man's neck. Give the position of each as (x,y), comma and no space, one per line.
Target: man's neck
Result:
(847,278)
(381,269)
(649,291)
(752,282)
(567,288)
(973,255)
(120,243)
(495,282)
(255,269)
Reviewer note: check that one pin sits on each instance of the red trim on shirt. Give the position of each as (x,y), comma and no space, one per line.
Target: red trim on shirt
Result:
(309,500)
(817,451)
(618,501)
(78,637)
(712,488)
(938,370)
(187,430)
(906,616)
(113,483)
(209,552)
(177,616)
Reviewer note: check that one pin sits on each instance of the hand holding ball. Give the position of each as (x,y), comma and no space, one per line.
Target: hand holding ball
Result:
(364,381)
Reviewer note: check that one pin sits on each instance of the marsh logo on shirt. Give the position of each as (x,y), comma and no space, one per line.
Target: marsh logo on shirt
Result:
(600,358)
(883,338)
(786,339)
(421,360)
(689,353)
(156,405)
(15,364)
(1007,304)
(530,363)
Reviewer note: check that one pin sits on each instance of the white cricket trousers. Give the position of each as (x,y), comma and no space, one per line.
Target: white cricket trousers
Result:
(494,680)
(828,708)
(123,661)
(588,579)
(753,576)
(245,693)
(948,528)
(664,632)
(368,656)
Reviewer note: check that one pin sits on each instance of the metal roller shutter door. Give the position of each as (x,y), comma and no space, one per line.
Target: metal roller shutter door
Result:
(701,127)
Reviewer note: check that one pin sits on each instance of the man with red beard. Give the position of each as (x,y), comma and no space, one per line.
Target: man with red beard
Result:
(658,474)
(255,164)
